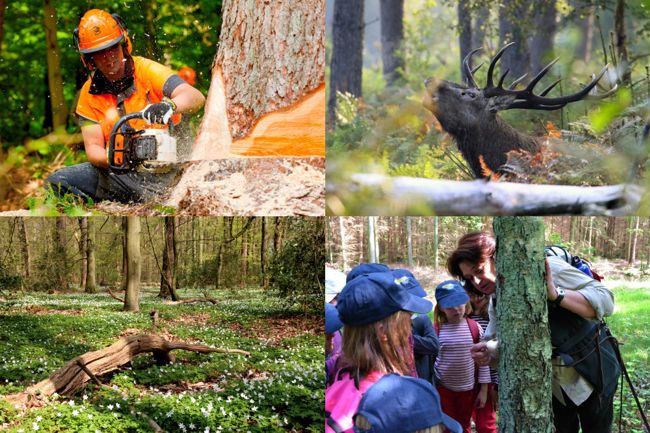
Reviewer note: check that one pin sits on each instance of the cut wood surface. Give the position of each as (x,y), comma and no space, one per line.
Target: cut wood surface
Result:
(72,377)
(480,197)
(298,130)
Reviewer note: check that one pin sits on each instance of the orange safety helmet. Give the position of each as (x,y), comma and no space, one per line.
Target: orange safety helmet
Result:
(188,74)
(97,31)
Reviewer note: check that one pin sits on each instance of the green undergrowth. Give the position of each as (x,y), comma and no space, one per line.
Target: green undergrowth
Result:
(629,326)
(278,388)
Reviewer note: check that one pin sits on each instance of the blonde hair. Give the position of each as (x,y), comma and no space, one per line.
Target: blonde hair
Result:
(362,423)
(381,346)
(439,316)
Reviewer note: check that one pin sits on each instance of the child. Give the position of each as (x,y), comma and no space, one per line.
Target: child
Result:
(332,335)
(401,404)
(375,312)
(456,373)
(484,418)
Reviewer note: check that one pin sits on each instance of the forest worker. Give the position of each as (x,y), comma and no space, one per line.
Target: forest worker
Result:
(119,84)
(585,369)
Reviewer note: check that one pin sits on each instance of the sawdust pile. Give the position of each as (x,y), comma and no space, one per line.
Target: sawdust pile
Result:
(251,186)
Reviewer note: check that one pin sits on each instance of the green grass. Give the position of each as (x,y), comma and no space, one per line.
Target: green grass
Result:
(278,388)
(629,324)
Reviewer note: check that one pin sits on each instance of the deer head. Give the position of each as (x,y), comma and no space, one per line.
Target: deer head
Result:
(469,113)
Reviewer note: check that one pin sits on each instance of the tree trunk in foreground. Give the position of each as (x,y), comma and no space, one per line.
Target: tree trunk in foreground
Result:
(74,375)
(523,333)
(267,92)
(132,295)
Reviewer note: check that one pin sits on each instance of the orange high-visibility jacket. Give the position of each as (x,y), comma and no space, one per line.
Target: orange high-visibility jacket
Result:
(149,79)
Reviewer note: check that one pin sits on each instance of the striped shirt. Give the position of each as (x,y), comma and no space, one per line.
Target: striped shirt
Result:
(483,323)
(454,365)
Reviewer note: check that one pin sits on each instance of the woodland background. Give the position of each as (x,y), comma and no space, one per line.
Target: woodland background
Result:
(41,73)
(379,124)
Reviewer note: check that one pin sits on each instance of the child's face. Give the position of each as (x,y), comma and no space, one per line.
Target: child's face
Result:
(455,314)
(478,300)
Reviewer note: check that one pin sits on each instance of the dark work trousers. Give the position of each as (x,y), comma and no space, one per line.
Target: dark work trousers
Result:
(89,182)
(592,415)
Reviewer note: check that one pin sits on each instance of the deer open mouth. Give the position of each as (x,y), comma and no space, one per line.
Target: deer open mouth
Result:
(430,99)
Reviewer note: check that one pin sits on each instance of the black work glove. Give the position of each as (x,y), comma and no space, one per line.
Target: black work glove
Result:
(159,113)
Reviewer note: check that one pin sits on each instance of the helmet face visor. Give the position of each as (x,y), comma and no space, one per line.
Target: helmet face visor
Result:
(100,45)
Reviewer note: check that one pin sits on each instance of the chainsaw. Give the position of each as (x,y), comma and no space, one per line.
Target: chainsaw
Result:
(152,150)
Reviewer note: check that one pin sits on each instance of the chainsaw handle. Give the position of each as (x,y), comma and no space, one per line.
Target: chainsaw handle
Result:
(111,143)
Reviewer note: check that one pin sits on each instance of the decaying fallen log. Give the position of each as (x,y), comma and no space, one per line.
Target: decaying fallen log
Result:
(480,197)
(114,296)
(191,301)
(74,375)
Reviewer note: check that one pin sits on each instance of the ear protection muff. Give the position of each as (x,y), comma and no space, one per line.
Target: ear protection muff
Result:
(125,31)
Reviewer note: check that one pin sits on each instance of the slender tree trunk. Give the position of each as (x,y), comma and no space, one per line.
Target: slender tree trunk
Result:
(125,258)
(24,249)
(621,43)
(3,6)
(343,243)
(168,277)
(91,279)
(525,349)
(435,242)
(464,32)
(635,238)
(152,50)
(262,254)
(392,35)
(83,251)
(480,23)
(409,241)
(513,17)
(61,260)
(55,82)
(586,23)
(132,294)
(372,239)
(347,53)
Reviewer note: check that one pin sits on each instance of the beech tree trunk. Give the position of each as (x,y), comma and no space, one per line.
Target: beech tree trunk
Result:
(168,274)
(347,53)
(132,295)
(541,43)
(60,261)
(514,17)
(24,248)
(464,32)
(271,56)
(262,255)
(83,251)
(621,43)
(55,82)
(392,35)
(91,276)
(522,317)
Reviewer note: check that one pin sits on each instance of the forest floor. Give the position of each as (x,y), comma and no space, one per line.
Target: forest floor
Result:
(278,388)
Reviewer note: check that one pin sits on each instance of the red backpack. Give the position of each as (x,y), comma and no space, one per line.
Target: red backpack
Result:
(473,328)
(342,399)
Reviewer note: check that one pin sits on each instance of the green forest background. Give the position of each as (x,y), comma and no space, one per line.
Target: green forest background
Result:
(173,33)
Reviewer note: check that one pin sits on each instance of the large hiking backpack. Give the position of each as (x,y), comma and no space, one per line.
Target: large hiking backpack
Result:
(575,261)
(342,399)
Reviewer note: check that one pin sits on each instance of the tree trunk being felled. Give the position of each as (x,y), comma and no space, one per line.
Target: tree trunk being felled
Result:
(74,375)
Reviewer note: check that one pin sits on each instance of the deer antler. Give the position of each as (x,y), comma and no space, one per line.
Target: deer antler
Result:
(526,98)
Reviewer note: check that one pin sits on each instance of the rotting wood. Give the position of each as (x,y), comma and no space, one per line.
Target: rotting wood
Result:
(480,197)
(71,378)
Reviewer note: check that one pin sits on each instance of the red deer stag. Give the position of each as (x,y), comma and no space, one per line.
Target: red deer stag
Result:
(469,113)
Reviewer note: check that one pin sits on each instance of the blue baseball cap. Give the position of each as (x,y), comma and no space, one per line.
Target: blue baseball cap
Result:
(405,278)
(332,321)
(366,268)
(451,294)
(372,297)
(403,404)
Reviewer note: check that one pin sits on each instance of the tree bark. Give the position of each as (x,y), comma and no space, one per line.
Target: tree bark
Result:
(125,259)
(91,279)
(262,254)
(134,260)
(55,82)
(372,239)
(168,274)
(480,24)
(347,53)
(392,35)
(435,242)
(271,56)
(83,251)
(152,50)
(61,258)
(24,249)
(525,346)
(409,241)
